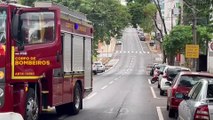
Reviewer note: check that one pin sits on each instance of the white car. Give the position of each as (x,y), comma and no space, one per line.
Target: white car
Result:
(98,67)
(162,73)
(169,75)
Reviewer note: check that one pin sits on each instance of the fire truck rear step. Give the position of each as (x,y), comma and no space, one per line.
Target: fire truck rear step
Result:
(45,99)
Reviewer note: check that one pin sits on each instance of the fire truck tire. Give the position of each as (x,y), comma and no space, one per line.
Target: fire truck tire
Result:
(75,106)
(32,110)
(60,109)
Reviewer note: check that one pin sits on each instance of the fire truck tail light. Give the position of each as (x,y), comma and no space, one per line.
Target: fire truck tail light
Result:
(1,92)
(1,74)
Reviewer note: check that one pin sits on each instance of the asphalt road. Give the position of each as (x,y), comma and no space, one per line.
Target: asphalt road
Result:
(123,92)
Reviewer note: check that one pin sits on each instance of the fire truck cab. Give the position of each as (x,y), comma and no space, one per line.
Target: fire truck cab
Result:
(45,59)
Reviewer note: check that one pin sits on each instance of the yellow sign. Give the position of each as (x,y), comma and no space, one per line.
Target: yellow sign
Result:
(192,51)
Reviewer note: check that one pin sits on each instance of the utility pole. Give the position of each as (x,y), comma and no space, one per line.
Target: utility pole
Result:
(172,13)
(194,31)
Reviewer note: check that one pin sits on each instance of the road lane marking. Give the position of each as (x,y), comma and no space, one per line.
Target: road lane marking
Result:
(149,81)
(160,115)
(104,87)
(153,92)
(90,96)
(111,82)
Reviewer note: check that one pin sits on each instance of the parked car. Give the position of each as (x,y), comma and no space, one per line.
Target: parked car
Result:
(141,36)
(152,69)
(119,42)
(169,75)
(157,72)
(199,102)
(182,83)
(162,73)
(98,67)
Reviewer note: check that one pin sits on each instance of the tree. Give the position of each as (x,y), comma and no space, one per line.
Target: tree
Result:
(181,35)
(136,10)
(150,11)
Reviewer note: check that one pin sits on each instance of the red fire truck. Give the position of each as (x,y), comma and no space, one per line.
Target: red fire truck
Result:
(45,58)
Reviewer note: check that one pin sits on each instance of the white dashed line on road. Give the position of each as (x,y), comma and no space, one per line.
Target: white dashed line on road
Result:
(153,92)
(104,87)
(160,115)
(149,81)
(90,96)
(111,82)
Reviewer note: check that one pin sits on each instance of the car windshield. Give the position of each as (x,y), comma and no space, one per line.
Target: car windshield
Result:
(172,72)
(3,17)
(162,67)
(97,63)
(210,91)
(190,80)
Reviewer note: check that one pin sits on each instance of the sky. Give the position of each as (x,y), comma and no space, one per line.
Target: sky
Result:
(123,2)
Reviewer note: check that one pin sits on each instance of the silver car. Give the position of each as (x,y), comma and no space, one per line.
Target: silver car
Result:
(198,105)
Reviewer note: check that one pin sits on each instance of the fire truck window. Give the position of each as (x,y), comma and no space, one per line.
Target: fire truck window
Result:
(3,16)
(37,27)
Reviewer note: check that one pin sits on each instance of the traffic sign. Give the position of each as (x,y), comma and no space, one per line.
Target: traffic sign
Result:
(192,51)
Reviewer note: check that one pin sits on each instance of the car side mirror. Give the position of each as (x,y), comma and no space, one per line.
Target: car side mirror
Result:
(168,83)
(15,26)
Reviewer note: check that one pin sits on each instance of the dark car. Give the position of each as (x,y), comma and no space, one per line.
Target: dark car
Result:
(182,83)
(152,69)
(141,36)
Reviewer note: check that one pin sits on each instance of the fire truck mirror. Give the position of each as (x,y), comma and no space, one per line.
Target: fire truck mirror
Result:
(15,26)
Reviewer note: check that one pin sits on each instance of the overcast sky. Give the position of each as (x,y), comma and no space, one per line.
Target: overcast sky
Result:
(123,2)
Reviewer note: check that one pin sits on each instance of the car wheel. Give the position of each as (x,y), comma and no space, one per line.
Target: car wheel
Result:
(161,92)
(167,108)
(95,73)
(76,105)
(171,113)
(158,85)
(61,109)
(31,105)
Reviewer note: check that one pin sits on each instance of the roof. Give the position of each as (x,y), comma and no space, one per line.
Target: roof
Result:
(196,73)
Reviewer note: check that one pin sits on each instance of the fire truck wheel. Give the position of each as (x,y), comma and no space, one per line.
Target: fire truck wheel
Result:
(60,109)
(77,100)
(31,105)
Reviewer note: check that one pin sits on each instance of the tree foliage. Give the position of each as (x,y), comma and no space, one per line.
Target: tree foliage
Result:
(148,21)
(181,35)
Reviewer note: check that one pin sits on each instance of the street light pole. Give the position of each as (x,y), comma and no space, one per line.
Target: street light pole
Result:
(194,30)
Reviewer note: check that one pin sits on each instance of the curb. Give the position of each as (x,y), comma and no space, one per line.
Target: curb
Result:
(152,49)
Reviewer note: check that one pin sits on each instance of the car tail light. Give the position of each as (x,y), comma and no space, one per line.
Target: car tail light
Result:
(202,113)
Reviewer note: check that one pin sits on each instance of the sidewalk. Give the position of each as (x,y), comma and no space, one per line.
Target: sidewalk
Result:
(106,51)
(155,49)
